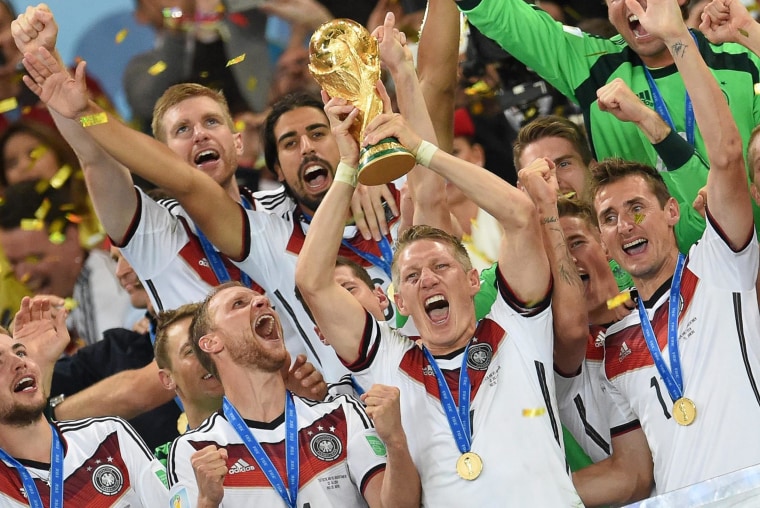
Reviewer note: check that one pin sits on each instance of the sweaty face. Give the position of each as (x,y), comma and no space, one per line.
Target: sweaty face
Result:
(372,300)
(572,173)
(437,292)
(636,230)
(21,399)
(196,129)
(193,382)
(128,280)
(249,328)
(26,158)
(651,49)
(598,282)
(307,155)
(44,267)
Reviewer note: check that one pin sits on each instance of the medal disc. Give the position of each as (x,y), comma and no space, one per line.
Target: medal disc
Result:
(469,465)
(684,411)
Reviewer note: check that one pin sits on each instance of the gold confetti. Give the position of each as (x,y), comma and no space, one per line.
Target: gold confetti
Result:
(744,32)
(2,201)
(57,238)
(32,225)
(157,68)
(121,35)
(8,105)
(618,300)
(757,88)
(70,304)
(43,210)
(203,74)
(638,218)
(60,176)
(67,207)
(569,195)
(96,119)
(38,152)
(239,126)
(26,110)
(25,278)
(236,60)
(533,412)
(41,186)
(73,218)
(252,83)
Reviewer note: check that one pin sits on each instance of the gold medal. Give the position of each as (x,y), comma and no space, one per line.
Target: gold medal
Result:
(469,465)
(684,411)
(182,425)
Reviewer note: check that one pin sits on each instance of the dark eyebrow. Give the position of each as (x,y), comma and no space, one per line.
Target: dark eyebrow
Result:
(309,128)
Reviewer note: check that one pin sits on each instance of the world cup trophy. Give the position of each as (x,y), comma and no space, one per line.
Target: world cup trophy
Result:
(344,60)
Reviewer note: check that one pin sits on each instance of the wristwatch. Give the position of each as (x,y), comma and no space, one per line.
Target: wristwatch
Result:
(52,403)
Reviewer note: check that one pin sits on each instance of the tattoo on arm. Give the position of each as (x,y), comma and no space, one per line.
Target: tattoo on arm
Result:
(679,48)
(549,220)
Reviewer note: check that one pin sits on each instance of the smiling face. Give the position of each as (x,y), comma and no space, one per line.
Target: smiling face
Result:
(247,327)
(25,157)
(436,290)
(637,230)
(22,400)
(198,130)
(572,173)
(307,155)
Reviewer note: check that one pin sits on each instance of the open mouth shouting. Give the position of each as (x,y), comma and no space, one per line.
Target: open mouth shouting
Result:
(25,384)
(205,157)
(437,309)
(265,327)
(315,173)
(635,247)
(635,26)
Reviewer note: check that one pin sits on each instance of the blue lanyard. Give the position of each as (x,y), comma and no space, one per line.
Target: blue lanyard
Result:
(662,108)
(215,259)
(357,387)
(671,377)
(386,251)
(56,475)
(458,421)
(265,463)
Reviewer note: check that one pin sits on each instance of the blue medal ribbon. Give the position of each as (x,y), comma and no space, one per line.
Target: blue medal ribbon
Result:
(671,377)
(56,475)
(459,418)
(290,493)
(662,108)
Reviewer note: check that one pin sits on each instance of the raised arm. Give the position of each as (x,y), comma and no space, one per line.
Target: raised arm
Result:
(729,21)
(729,201)
(568,301)
(204,199)
(316,262)
(527,273)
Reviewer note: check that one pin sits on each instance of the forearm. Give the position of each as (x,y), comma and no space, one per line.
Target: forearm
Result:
(401,484)
(653,127)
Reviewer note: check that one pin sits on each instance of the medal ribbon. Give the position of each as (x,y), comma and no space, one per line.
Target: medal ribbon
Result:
(662,108)
(290,493)
(459,418)
(671,377)
(215,259)
(56,475)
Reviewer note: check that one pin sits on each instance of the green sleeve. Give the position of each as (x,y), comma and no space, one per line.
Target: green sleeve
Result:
(576,457)
(162,452)
(486,297)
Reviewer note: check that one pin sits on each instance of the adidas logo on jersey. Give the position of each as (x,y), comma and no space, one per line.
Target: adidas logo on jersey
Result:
(624,351)
(241,466)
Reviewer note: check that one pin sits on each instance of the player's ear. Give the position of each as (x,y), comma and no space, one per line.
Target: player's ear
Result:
(166,379)
(210,343)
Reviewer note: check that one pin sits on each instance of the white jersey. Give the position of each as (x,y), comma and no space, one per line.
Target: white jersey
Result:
(585,407)
(273,243)
(719,343)
(339,453)
(106,464)
(515,428)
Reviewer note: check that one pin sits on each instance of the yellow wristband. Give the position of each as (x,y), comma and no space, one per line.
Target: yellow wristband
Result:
(96,119)
(346,174)
(425,153)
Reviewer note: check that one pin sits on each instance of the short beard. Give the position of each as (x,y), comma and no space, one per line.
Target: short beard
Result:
(303,201)
(253,355)
(23,415)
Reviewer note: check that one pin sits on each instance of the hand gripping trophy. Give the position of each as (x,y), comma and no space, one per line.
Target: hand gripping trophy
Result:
(344,60)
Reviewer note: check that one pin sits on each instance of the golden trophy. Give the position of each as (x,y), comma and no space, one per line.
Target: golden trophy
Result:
(344,60)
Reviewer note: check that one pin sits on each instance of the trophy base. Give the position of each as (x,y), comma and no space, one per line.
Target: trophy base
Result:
(383,162)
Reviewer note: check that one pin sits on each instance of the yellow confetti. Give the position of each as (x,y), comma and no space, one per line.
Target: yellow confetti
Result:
(43,210)
(32,225)
(38,152)
(533,412)
(25,278)
(569,195)
(638,218)
(756,87)
(239,126)
(2,201)
(60,176)
(70,304)
(236,60)
(73,218)
(121,35)
(67,207)
(157,68)
(41,186)
(203,74)
(96,119)
(252,83)
(618,300)
(26,110)
(57,238)
(744,32)
(8,105)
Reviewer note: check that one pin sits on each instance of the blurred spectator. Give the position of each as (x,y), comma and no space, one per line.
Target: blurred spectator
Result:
(40,237)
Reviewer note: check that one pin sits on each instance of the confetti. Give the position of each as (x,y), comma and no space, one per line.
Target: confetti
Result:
(70,304)
(618,300)
(41,186)
(38,152)
(26,110)
(57,238)
(157,68)
(757,88)
(25,278)
(744,32)
(236,60)
(532,413)
(32,225)
(252,83)
(43,210)
(8,105)
(569,195)
(121,35)
(638,218)
(96,119)
(73,218)
(239,126)
(60,176)
(203,74)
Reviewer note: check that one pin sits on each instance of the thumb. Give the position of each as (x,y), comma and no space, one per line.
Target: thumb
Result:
(635,7)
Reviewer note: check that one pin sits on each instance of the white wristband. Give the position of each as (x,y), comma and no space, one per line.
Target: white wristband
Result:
(425,152)
(346,174)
